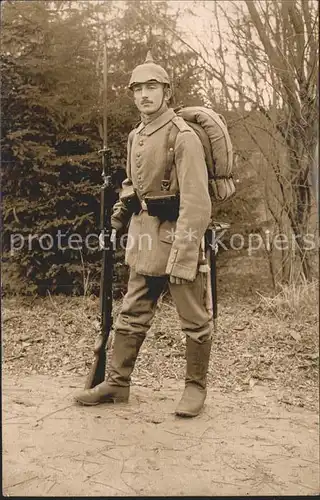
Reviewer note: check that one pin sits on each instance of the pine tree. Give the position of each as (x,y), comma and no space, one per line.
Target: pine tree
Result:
(51,125)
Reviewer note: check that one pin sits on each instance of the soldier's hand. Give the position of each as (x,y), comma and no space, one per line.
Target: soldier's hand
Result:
(178,281)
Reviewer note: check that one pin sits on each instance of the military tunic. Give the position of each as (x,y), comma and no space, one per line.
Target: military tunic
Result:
(157,248)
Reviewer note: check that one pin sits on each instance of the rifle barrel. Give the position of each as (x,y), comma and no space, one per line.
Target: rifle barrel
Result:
(105,87)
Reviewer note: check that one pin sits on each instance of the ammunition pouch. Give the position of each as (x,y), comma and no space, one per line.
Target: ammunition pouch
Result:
(163,206)
(132,203)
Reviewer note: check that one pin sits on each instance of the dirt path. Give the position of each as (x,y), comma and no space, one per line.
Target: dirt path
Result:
(243,444)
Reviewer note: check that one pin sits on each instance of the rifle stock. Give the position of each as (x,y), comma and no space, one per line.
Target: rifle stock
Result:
(98,368)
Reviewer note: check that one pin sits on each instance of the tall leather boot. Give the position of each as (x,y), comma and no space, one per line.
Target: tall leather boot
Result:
(195,391)
(117,386)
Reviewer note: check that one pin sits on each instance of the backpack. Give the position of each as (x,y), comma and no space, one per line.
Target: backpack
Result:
(212,131)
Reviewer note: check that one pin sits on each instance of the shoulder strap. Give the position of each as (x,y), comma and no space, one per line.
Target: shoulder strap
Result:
(129,147)
(181,124)
(165,183)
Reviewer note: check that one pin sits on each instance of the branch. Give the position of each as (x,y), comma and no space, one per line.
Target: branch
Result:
(309,25)
(298,26)
(277,60)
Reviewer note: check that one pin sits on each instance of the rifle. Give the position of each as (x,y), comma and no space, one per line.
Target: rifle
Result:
(211,244)
(98,368)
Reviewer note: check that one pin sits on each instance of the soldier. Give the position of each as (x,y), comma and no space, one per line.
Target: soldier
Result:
(160,249)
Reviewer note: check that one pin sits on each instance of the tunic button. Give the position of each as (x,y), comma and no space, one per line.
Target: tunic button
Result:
(139,177)
(141,143)
(171,149)
(138,155)
(140,186)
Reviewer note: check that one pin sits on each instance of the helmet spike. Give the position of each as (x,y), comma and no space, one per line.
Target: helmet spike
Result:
(149,58)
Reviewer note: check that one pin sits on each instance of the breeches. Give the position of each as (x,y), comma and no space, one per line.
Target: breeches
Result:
(139,305)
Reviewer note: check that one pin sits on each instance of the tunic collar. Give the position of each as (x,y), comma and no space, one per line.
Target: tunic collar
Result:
(159,122)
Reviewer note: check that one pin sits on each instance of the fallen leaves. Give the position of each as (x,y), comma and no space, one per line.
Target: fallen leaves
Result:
(56,336)
(295,335)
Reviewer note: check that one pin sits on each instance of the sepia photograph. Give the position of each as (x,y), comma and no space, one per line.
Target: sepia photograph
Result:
(160,248)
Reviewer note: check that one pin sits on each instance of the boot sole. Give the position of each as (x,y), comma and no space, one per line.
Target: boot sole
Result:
(111,400)
(84,403)
(186,414)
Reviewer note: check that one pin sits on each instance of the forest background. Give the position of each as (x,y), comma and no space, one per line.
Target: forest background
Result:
(254,62)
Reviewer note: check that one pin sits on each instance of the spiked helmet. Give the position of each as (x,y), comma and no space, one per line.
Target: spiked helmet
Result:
(147,71)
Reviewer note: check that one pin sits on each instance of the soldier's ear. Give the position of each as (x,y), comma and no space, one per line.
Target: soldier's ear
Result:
(167,94)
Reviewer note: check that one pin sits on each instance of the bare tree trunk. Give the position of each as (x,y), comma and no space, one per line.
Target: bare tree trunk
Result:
(274,46)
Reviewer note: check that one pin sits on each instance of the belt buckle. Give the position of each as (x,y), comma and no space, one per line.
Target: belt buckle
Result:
(144,205)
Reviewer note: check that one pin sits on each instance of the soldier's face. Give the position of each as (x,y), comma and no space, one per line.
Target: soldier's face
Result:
(149,97)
